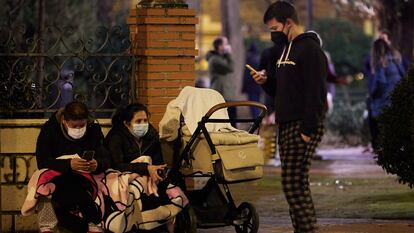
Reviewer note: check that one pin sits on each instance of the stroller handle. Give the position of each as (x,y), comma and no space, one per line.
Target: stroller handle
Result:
(236,104)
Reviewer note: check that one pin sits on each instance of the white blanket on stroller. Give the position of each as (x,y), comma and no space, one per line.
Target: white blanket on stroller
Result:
(193,103)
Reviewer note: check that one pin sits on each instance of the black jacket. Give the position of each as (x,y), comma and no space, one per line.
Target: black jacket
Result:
(123,148)
(53,141)
(298,84)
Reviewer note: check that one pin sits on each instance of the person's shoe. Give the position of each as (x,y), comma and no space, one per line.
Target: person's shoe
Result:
(273,162)
(45,230)
(94,229)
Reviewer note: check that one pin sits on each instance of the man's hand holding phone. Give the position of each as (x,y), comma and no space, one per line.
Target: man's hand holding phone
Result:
(258,76)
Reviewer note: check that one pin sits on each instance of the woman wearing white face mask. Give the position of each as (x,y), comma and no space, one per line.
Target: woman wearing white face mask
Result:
(70,132)
(132,136)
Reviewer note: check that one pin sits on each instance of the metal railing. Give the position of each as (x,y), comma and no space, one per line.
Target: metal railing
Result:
(39,74)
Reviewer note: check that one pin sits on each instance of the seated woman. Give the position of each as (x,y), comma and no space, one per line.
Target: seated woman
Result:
(132,136)
(70,132)
(130,141)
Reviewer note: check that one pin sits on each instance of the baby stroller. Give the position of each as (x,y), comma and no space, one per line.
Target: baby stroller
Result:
(206,160)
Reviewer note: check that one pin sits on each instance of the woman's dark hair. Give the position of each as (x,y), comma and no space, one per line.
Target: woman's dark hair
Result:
(380,52)
(281,11)
(217,42)
(127,113)
(75,111)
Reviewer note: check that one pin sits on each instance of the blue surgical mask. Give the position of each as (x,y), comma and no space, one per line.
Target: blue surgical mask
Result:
(139,130)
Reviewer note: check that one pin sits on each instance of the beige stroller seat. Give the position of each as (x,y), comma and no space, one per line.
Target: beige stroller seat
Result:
(232,155)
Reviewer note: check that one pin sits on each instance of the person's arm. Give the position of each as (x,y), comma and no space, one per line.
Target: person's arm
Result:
(114,146)
(270,86)
(44,153)
(223,65)
(267,62)
(315,72)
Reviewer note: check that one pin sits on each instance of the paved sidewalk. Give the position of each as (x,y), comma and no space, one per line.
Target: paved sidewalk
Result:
(345,162)
(268,225)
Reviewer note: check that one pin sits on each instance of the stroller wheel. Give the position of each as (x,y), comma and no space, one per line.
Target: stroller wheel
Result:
(186,221)
(247,219)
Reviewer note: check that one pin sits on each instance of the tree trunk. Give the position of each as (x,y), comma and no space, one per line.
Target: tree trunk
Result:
(398,18)
(231,28)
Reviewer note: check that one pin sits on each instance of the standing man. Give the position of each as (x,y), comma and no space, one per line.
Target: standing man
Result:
(298,86)
(220,69)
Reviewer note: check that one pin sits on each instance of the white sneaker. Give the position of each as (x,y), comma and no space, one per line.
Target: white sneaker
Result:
(273,162)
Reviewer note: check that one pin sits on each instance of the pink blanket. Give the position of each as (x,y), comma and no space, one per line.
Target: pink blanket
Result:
(135,198)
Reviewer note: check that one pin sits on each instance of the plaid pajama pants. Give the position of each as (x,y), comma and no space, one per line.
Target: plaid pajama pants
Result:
(296,157)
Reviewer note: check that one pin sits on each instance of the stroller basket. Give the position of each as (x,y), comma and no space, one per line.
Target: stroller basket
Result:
(238,164)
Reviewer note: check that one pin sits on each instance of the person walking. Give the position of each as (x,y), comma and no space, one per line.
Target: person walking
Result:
(299,88)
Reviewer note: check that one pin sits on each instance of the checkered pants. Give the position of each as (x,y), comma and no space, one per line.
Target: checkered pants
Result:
(296,157)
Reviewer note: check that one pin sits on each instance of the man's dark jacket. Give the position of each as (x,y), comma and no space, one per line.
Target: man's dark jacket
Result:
(298,84)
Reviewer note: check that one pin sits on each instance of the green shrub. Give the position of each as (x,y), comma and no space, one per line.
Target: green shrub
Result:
(395,152)
(346,42)
(348,124)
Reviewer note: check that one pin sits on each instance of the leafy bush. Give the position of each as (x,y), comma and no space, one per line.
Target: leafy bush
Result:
(395,152)
(347,122)
(346,42)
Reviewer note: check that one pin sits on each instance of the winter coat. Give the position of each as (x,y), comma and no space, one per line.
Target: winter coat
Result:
(384,80)
(54,141)
(124,148)
(220,69)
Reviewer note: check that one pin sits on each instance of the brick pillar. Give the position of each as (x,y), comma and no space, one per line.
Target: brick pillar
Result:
(164,40)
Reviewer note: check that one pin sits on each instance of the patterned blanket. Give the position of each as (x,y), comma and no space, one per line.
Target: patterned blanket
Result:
(124,200)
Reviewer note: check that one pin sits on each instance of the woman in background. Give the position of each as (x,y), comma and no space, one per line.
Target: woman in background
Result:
(386,71)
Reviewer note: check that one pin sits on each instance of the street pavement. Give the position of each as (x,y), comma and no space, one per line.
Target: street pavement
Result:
(343,162)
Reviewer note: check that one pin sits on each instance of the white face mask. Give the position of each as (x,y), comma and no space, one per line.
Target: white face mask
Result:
(76,133)
(139,130)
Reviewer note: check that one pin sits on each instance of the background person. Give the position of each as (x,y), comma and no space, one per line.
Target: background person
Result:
(220,69)
(387,69)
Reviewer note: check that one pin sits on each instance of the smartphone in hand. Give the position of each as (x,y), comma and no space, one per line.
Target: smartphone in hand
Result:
(88,155)
(251,68)
(162,173)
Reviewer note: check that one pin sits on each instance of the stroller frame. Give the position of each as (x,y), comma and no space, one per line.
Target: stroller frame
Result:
(244,217)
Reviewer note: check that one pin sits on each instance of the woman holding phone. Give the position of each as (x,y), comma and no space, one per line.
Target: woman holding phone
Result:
(70,134)
(131,137)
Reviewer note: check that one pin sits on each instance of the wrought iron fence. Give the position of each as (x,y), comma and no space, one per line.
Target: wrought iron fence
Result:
(40,72)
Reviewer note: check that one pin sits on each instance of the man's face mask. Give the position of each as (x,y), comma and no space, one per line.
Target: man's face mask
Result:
(139,130)
(76,133)
(279,37)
